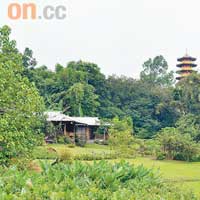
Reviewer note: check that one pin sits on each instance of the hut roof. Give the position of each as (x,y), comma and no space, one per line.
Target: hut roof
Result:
(60,117)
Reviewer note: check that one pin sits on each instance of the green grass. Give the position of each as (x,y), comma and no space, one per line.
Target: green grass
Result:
(172,170)
(88,149)
(184,174)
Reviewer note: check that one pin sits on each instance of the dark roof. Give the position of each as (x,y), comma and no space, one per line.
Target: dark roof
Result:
(182,71)
(185,64)
(186,58)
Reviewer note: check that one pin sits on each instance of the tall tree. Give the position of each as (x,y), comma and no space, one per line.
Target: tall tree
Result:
(81,100)
(187,95)
(94,77)
(20,104)
(155,72)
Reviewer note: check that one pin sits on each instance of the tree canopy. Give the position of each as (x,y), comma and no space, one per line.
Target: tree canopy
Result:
(21,106)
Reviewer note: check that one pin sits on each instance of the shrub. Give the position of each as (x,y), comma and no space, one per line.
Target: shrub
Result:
(81,181)
(176,145)
(121,137)
(63,140)
(148,147)
(179,156)
(20,163)
(161,156)
(65,155)
(195,158)
(80,142)
(71,145)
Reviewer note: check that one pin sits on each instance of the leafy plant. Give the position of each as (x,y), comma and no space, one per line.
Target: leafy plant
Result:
(21,107)
(176,145)
(81,181)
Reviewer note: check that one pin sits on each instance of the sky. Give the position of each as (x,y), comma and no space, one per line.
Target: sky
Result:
(118,35)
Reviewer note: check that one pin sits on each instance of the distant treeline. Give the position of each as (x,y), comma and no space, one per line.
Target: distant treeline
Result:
(153,101)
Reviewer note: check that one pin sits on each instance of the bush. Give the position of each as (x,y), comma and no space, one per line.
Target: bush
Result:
(63,140)
(161,156)
(81,181)
(176,145)
(195,158)
(65,155)
(80,142)
(149,147)
(71,145)
(20,163)
(121,138)
(179,156)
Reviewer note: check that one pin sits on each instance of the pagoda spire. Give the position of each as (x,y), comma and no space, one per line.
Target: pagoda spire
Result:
(186,52)
(186,65)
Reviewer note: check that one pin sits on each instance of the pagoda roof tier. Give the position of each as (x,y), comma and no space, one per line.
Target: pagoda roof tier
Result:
(189,58)
(185,71)
(186,65)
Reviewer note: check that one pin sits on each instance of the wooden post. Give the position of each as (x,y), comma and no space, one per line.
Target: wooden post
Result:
(86,130)
(65,129)
(74,133)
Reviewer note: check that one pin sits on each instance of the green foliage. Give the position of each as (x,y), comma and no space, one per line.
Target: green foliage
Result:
(189,124)
(20,104)
(65,155)
(71,89)
(152,102)
(28,62)
(50,129)
(150,107)
(148,147)
(187,95)
(63,140)
(176,145)
(44,153)
(97,156)
(78,181)
(82,100)
(121,137)
(162,156)
(155,72)
(71,145)
(81,89)
(80,142)
(122,125)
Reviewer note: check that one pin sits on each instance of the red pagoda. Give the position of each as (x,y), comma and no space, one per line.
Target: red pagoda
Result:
(186,65)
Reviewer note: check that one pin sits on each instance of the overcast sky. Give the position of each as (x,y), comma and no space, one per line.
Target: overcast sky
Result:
(118,35)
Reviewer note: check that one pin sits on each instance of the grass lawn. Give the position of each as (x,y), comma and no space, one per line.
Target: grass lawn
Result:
(88,149)
(184,174)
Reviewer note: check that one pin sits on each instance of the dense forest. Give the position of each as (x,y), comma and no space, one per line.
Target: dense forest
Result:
(154,101)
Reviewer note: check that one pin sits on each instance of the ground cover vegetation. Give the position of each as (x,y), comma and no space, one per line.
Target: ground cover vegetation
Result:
(87,181)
